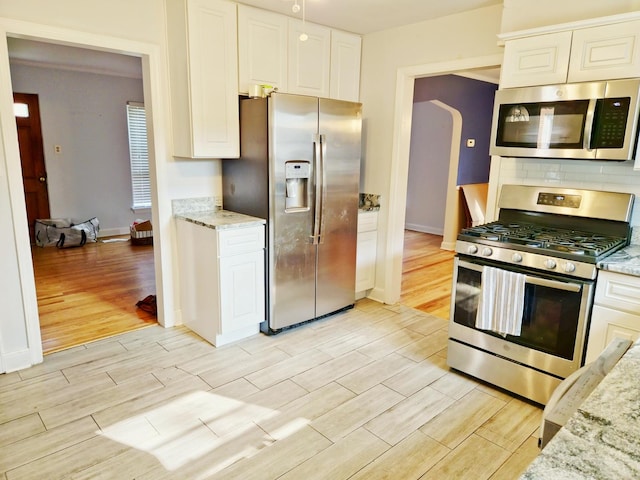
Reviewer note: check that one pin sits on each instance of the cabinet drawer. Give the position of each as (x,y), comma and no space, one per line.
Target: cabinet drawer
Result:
(235,241)
(618,291)
(367,221)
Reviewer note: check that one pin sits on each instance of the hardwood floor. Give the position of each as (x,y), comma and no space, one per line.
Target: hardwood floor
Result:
(365,394)
(90,292)
(427,272)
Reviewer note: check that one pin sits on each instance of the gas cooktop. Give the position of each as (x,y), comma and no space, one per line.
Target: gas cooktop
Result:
(564,243)
(557,230)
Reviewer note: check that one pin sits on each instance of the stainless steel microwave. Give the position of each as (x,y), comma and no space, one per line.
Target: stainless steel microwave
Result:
(591,120)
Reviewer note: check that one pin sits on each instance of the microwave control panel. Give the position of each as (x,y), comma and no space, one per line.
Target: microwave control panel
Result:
(611,115)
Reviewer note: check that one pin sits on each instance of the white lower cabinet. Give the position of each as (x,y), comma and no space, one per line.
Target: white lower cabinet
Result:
(616,311)
(222,280)
(367,246)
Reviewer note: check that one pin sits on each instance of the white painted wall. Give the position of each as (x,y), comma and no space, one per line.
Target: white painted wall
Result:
(525,14)
(456,38)
(85,113)
(431,130)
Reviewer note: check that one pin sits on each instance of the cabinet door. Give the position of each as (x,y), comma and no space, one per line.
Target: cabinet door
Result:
(309,60)
(345,66)
(262,49)
(605,52)
(618,291)
(213,78)
(539,60)
(607,324)
(366,260)
(242,287)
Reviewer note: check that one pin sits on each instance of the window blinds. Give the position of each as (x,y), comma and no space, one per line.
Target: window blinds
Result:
(139,155)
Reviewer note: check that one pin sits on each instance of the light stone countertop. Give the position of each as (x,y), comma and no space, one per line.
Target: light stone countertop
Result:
(220,219)
(602,439)
(626,260)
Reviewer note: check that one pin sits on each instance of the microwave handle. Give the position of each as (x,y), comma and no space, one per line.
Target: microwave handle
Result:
(542,282)
(588,124)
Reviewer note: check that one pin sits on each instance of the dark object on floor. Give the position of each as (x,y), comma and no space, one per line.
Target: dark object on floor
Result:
(148,304)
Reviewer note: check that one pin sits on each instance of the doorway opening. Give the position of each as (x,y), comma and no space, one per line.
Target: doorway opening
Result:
(400,165)
(146,57)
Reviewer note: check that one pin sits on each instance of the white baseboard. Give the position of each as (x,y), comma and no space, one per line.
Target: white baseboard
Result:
(15,361)
(111,232)
(424,229)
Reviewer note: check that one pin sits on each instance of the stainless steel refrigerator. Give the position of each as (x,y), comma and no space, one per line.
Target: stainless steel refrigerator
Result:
(300,169)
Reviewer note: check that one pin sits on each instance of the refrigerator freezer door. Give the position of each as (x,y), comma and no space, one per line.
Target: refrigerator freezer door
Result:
(293,124)
(340,126)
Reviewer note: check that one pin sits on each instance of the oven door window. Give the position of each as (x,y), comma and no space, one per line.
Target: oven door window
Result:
(542,125)
(550,319)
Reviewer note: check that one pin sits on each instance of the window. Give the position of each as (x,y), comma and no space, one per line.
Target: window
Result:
(21,110)
(138,155)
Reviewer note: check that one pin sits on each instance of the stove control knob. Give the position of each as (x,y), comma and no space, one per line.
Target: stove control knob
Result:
(472,249)
(516,257)
(550,263)
(569,267)
(486,251)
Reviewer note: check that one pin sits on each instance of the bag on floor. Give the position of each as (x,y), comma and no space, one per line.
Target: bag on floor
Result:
(63,233)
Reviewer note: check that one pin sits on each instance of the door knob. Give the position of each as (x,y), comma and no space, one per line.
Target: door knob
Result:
(43,179)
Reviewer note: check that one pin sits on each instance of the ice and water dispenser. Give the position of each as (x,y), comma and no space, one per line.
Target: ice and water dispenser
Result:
(297,173)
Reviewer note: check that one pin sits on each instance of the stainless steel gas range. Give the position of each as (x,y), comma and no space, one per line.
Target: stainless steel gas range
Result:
(553,238)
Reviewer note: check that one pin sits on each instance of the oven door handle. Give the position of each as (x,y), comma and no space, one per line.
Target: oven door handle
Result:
(542,282)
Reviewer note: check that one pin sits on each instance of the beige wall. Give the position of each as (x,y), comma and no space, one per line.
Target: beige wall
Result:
(525,14)
(463,36)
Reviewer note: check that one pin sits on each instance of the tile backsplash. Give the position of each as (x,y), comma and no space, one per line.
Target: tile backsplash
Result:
(592,175)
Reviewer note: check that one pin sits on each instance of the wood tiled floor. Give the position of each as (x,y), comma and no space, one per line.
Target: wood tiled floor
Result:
(365,394)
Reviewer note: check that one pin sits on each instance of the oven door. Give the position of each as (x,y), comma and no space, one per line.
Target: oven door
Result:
(556,312)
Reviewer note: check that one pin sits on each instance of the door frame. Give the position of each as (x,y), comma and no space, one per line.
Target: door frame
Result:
(156,103)
(401,143)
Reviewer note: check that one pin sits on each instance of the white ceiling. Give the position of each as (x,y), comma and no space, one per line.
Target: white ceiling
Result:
(358,16)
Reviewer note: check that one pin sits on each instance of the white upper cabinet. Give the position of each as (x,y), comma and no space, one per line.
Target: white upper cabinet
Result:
(602,49)
(538,60)
(345,66)
(310,59)
(203,65)
(605,52)
(270,52)
(262,49)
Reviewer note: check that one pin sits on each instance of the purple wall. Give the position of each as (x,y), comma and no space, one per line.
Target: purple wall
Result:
(474,100)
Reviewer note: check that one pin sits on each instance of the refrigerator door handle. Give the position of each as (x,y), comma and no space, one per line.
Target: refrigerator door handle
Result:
(317,168)
(323,189)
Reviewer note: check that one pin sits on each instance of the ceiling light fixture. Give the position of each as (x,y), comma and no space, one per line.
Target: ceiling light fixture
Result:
(303,36)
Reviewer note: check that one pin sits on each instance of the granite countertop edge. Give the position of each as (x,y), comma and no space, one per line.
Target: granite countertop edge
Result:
(602,439)
(625,260)
(220,219)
